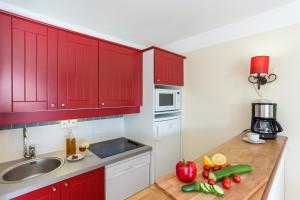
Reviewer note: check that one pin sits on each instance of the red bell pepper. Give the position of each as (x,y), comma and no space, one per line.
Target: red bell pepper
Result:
(186,171)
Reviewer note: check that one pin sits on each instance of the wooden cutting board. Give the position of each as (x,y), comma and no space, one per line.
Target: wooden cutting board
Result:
(237,152)
(242,191)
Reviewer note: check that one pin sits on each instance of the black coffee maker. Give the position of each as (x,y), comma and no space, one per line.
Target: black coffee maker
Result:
(264,121)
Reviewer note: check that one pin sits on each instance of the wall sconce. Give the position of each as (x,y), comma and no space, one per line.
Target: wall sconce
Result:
(259,71)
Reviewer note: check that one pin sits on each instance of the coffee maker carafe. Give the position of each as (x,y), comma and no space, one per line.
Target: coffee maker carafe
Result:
(264,121)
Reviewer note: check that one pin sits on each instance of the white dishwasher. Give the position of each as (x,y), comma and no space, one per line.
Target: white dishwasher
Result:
(127,177)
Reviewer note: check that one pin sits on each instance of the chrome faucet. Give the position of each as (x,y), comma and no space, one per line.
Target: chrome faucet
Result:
(29,151)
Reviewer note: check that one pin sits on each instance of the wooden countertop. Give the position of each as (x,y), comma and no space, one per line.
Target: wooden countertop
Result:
(272,150)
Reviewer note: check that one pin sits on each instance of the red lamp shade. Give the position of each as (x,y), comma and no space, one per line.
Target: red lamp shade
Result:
(260,65)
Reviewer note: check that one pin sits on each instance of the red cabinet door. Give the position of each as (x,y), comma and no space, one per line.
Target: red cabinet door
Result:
(52,192)
(29,66)
(168,68)
(52,68)
(88,186)
(5,64)
(77,71)
(119,76)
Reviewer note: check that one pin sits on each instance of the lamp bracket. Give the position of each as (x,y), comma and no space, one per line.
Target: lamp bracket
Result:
(262,79)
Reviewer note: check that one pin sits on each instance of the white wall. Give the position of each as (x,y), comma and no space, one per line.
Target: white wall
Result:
(52,137)
(217,95)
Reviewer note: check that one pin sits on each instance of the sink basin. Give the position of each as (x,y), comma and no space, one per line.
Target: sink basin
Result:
(31,168)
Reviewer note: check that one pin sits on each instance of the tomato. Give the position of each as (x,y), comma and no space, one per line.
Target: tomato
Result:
(226,179)
(226,185)
(217,167)
(205,174)
(206,167)
(211,181)
(236,178)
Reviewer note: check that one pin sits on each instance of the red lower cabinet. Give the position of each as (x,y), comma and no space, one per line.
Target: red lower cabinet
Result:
(87,186)
(51,192)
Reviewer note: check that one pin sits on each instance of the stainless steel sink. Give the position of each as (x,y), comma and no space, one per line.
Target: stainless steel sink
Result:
(31,168)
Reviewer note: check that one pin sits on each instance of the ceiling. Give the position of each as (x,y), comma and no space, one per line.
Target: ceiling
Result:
(151,22)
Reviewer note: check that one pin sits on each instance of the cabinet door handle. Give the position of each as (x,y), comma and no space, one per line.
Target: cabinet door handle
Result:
(102,104)
(54,189)
(158,80)
(157,134)
(63,105)
(52,105)
(66,184)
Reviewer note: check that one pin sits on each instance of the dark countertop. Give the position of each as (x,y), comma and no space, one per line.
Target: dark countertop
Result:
(68,170)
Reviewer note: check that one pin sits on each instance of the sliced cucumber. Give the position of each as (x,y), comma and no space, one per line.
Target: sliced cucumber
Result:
(208,187)
(213,190)
(218,190)
(203,188)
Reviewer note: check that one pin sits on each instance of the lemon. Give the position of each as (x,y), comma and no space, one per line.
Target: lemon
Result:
(85,145)
(219,159)
(207,161)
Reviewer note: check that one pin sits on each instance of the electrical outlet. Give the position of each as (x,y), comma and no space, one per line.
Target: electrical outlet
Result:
(68,123)
(73,122)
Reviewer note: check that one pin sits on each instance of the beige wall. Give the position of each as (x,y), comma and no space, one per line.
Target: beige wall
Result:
(217,95)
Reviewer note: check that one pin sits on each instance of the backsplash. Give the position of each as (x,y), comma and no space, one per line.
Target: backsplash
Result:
(16,126)
(51,137)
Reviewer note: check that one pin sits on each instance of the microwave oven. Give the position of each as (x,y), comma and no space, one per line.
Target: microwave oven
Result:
(167,100)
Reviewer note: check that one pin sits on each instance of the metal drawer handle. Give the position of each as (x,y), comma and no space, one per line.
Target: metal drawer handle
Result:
(63,105)
(52,105)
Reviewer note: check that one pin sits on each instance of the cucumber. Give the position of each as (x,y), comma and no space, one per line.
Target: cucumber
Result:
(208,187)
(203,188)
(213,190)
(194,187)
(227,172)
(218,190)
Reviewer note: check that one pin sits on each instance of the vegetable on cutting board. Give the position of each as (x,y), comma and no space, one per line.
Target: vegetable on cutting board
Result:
(203,187)
(236,178)
(226,184)
(207,161)
(219,159)
(228,172)
(194,187)
(186,171)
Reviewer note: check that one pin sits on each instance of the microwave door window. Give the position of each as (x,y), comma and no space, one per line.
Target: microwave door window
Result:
(166,100)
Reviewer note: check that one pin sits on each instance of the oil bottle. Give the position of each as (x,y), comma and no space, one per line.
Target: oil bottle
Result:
(70,143)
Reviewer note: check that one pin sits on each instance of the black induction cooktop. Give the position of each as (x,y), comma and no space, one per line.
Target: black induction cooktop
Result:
(113,147)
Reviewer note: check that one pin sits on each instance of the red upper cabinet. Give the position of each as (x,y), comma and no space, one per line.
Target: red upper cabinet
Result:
(168,68)
(29,66)
(119,76)
(5,64)
(51,192)
(52,68)
(77,71)
(89,186)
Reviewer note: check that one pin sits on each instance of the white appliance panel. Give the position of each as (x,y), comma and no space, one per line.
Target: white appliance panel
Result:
(127,177)
(167,146)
